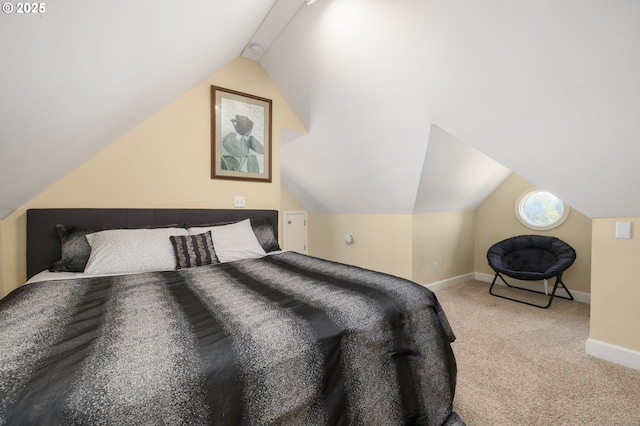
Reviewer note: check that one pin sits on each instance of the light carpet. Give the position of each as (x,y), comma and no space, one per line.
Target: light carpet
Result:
(521,365)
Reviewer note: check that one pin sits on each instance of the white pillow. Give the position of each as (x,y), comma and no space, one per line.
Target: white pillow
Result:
(236,241)
(119,251)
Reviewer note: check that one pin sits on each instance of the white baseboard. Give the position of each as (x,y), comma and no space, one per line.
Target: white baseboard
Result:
(449,282)
(612,353)
(579,296)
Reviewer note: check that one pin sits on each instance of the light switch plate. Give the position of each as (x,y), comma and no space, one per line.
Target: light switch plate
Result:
(623,230)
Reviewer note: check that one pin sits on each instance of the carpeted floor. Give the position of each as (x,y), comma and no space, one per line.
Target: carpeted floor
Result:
(520,365)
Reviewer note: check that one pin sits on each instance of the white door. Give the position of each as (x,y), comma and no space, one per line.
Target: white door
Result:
(295,231)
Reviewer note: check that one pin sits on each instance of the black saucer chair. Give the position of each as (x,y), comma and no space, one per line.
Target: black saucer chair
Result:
(531,258)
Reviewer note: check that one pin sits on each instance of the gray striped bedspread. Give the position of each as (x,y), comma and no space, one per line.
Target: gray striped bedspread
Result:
(286,339)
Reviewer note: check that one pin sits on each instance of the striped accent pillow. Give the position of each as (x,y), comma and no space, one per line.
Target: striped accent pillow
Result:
(193,250)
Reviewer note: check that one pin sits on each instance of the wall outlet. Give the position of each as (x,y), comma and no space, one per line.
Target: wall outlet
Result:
(435,266)
(238,201)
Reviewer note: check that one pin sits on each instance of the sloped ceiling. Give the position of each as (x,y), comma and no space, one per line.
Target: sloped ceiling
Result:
(455,176)
(549,89)
(411,105)
(80,75)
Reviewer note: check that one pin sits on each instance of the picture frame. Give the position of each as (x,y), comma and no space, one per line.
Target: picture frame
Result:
(240,136)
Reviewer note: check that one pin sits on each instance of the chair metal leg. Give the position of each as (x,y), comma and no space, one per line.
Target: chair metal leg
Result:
(553,294)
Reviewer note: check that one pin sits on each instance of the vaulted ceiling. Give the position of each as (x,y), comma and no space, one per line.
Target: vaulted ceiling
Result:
(411,105)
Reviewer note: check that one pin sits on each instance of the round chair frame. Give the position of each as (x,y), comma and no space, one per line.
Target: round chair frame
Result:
(531,258)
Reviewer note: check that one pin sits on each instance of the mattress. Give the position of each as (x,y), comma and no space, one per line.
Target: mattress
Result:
(282,339)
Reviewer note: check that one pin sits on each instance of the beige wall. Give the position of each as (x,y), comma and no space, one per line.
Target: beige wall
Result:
(403,245)
(382,241)
(288,201)
(3,270)
(13,261)
(442,238)
(409,245)
(615,286)
(164,162)
(496,220)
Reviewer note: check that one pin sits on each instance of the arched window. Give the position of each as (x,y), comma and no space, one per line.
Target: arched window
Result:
(540,210)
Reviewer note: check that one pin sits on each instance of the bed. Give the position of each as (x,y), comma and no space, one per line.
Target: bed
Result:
(235,331)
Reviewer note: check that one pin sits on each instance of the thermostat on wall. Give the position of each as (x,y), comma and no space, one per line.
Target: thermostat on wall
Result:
(348,239)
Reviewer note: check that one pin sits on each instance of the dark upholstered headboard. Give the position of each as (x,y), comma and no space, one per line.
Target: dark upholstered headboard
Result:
(43,242)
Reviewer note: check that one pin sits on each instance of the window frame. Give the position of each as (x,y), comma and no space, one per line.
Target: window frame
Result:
(519,211)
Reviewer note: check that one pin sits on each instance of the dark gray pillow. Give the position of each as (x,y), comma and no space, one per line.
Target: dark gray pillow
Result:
(264,232)
(193,250)
(74,247)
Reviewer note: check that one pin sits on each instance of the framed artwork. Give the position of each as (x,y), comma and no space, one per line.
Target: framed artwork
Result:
(240,136)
